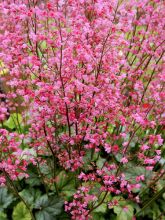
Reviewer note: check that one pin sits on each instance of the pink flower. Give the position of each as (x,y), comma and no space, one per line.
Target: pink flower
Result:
(124,160)
(149,161)
(78,74)
(107,148)
(140,178)
(149,168)
(115,148)
(144,147)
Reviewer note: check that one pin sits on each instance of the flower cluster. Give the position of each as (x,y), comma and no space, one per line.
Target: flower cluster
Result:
(88,76)
(14,161)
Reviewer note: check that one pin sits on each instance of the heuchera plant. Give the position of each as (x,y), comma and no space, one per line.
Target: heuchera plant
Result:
(83,105)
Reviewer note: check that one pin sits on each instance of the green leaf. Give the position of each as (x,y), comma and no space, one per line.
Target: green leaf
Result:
(97,216)
(3,216)
(45,169)
(110,128)
(68,192)
(151,200)
(100,162)
(28,153)
(66,184)
(102,208)
(5,198)
(89,157)
(43,45)
(62,180)
(13,121)
(30,195)
(118,157)
(124,213)
(163,196)
(21,212)
(63,216)
(48,208)
(33,179)
(135,171)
